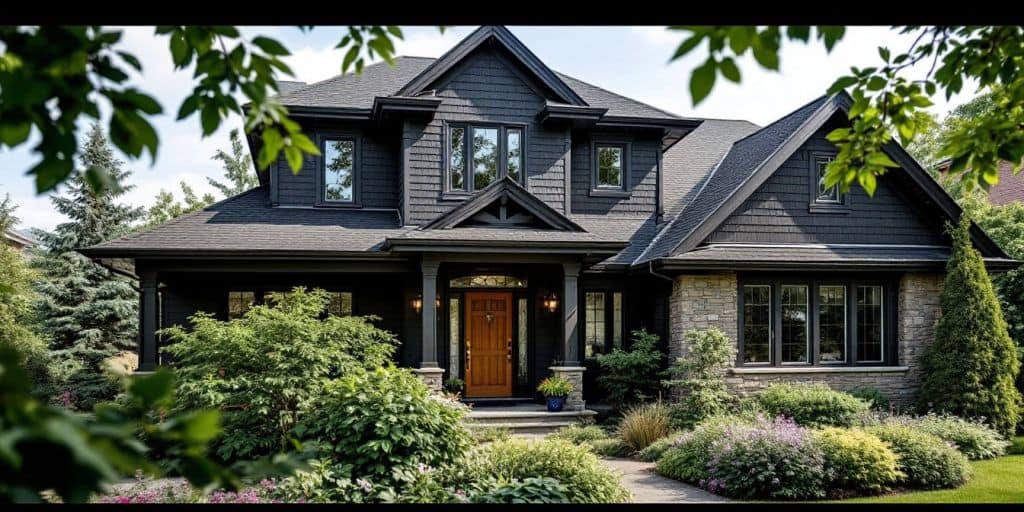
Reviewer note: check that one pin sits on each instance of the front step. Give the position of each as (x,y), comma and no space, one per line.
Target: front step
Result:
(533,420)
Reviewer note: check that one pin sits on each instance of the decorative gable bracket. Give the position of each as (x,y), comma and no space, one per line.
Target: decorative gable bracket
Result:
(504,203)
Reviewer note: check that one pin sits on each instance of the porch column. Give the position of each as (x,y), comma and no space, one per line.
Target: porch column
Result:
(429,371)
(571,369)
(147,321)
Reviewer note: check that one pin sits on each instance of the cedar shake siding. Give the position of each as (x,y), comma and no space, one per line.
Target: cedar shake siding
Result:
(642,187)
(485,87)
(779,211)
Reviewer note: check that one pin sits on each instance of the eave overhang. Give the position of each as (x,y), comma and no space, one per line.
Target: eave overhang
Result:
(421,245)
(387,108)
(673,267)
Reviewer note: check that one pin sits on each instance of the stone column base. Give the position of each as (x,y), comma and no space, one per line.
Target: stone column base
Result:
(432,377)
(573,374)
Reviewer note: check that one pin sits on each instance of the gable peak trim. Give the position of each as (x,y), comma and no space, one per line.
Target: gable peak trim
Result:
(505,189)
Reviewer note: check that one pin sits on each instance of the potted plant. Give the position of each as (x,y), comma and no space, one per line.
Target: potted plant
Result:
(555,390)
(454,385)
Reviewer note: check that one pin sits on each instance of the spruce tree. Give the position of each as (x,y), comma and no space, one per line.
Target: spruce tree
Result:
(970,368)
(89,313)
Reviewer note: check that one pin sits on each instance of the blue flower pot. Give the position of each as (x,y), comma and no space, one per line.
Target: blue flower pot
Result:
(555,403)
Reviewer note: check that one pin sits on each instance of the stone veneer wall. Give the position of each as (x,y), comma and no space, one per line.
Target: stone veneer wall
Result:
(709,300)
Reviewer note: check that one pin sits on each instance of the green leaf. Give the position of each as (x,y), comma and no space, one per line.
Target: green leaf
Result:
(876,83)
(99,179)
(350,56)
(831,35)
(152,389)
(270,46)
(729,70)
(801,32)
(702,81)
(294,157)
(739,39)
(766,57)
(841,83)
(304,144)
(190,105)
(881,159)
(883,52)
(210,119)
(13,133)
(686,46)
(179,50)
(201,426)
(131,60)
(867,182)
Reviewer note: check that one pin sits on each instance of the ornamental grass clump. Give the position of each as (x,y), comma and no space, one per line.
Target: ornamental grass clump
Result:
(644,424)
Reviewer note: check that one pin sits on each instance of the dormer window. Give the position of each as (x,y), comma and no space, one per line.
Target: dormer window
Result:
(826,194)
(338,173)
(609,175)
(609,166)
(479,155)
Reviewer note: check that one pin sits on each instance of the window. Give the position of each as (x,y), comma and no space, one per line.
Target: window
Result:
(483,154)
(341,304)
(594,332)
(822,194)
(869,324)
(757,324)
(523,348)
(795,334)
(487,281)
(453,337)
(339,170)
(832,324)
(239,303)
(804,320)
(598,336)
(610,166)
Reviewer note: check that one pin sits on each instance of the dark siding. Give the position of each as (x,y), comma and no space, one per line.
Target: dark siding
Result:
(484,89)
(778,211)
(378,173)
(643,178)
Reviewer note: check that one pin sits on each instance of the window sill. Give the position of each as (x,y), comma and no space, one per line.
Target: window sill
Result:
(828,208)
(455,196)
(338,205)
(797,370)
(598,192)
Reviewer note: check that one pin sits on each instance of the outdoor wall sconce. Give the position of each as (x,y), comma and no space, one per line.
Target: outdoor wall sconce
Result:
(550,302)
(417,303)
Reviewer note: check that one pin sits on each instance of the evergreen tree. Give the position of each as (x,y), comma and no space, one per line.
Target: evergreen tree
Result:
(237,169)
(166,208)
(970,368)
(89,313)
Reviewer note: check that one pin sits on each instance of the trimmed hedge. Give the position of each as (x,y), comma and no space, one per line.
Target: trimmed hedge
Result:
(812,405)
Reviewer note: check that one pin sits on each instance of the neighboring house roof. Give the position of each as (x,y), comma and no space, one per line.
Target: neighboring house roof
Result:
(18,238)
(753,159)
(1010,187)
(806,256)
(247,224)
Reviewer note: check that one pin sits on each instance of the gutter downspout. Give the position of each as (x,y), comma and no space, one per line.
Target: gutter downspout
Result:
(650,269)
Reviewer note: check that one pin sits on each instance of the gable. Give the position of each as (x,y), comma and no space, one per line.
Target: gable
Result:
(490,78)
(504,204)
(779,211)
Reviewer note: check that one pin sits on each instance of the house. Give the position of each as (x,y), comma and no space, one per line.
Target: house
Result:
(510,222)
(18,240)
(1009,189)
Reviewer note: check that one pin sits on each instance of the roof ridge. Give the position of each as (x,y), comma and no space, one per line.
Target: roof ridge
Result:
(613,93)
(342,75)
(783,118)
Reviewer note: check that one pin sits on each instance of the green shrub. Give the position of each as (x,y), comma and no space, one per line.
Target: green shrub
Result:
(971,367)
(613,447)
(527,490)
(577,434)
(655,450)
(857,462)
(699,377)
(644,424)
(975,440)
(584,477)
(626,375)
(555,386)
(927,461)
(875,398)
(489,434)
(374,423)
(812,405)
(264,368)
(687,460)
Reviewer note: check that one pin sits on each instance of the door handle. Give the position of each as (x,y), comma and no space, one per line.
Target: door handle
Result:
(508,348)
(468,354)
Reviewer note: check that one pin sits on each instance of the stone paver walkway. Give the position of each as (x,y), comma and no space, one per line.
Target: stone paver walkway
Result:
(650,487)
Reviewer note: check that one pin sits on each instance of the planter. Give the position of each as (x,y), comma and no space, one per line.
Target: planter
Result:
(555,403)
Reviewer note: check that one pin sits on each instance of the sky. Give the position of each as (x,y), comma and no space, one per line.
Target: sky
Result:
(632,61)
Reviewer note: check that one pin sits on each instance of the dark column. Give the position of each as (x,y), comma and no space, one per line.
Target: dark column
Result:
(148,358)
(429,359)
(570,309)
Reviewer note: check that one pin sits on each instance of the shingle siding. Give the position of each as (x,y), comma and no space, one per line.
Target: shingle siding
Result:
(377,172)
(482,89)
(643,177)
(778,212)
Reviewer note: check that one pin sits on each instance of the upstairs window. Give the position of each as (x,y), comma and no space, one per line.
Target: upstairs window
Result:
(609,166)
(339,170)
(826,195)
(479,155)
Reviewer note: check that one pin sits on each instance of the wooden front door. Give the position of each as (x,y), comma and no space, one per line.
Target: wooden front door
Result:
(488,344)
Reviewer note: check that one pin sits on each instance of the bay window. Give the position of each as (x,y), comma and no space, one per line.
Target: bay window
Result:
(480,154)
(800,321)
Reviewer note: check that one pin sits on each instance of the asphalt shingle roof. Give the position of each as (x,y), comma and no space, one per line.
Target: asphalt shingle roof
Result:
(739,164)
(247,223)
(381,79)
